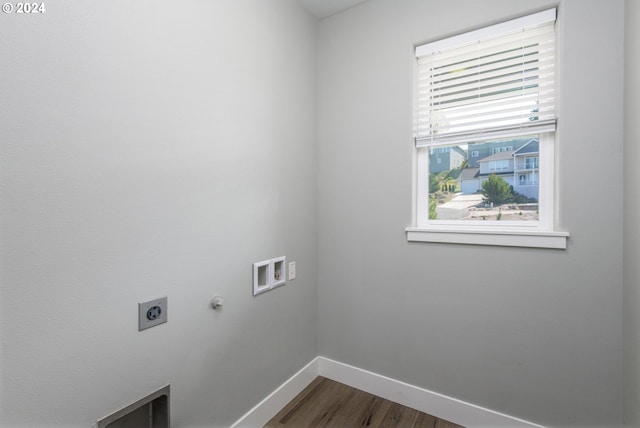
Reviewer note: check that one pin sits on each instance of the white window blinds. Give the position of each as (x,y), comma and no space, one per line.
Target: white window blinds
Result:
(492,83)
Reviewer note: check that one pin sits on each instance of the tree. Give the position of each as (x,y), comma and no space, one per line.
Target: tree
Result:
(449,184)
(496,190)
(433,204)
(434,183)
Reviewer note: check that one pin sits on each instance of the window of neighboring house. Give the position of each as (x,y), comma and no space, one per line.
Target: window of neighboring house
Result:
(499,165)
(531,162)
(501,149)
(494,85)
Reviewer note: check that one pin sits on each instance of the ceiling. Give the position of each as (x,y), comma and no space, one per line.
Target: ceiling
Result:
(323,8)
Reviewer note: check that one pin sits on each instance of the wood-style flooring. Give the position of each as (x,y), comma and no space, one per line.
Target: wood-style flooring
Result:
(329,404)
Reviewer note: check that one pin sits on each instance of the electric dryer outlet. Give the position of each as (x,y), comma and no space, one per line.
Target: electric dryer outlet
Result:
(152,313)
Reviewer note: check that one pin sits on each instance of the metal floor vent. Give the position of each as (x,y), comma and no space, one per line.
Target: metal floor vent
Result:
(150,412)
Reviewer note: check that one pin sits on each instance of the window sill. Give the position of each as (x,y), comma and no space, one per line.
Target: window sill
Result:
(532,239)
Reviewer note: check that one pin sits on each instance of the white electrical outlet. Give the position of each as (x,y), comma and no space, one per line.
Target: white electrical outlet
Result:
(152,313)
(292,270)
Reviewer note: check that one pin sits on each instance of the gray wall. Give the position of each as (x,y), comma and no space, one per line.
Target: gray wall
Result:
(154,148)
(631,224)
(529,332)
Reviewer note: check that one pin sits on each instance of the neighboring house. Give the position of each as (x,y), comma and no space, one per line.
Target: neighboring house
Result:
(446,158)
(470,181)
(526,171)
(479,151)
(518,167)
(500,164)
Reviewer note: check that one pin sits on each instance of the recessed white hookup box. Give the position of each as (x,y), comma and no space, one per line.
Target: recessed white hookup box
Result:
(269,274)
(279,275)
(261,277)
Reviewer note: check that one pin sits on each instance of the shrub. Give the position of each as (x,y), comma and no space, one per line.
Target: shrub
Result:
(434,183)
(433,204)
(495,190)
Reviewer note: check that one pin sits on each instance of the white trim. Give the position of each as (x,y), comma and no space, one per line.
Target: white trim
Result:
(506,238)
(487,32)
(546,180)
(433,403)
(265,410)
(496,133)
(422,186)
(538,234)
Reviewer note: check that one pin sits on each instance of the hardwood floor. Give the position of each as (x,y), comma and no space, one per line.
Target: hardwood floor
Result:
(330,404)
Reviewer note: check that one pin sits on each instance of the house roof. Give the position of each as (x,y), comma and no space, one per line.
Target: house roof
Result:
(530,147)
(469,173)
(515,143)
(455,173)
(498,173)
(498,156)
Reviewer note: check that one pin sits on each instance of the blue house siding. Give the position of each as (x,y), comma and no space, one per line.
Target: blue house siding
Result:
(446,158)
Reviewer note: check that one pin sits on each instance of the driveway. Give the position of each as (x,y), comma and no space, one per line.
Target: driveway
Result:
(458,207)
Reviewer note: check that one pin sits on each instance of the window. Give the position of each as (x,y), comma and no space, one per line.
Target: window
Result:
(501,149)
(531,163)
(493,87)
(499,165)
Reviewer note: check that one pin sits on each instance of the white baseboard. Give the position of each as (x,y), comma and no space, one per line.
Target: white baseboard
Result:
(448,408)
(278,399)
(441,406)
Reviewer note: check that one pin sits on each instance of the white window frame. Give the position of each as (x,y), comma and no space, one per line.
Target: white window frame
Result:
(540,234)
(531,162)
(499,165)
